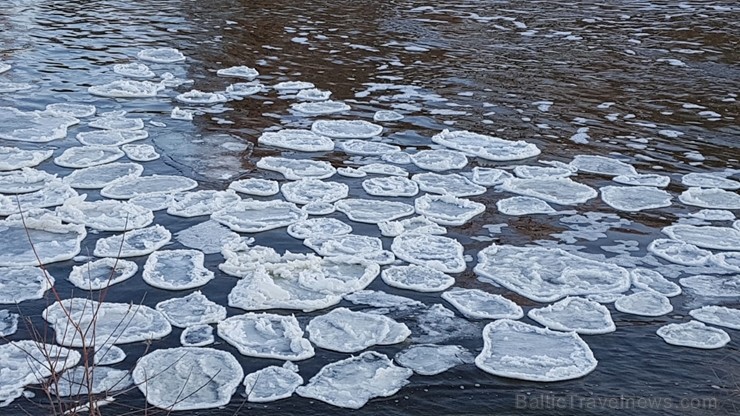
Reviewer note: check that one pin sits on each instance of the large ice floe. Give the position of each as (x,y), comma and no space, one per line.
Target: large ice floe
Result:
(418,278)
(477,304)
(439,160)
(291,281)
(348,331)
(176,269)
(83,380)
(295,139)
(238,72)
(191,310)
(102,273)
(486,147)
(96,177)
(346,129)
(272,383)
(80,321)
(635,198)
(709,180)
(362,246)
(562,191)
(161,55)
(87,156)
(295,169)
(602,165)
(12,158)
(255,186)
(317,227)
(35,241)
(110,137)
(517,350)
(712,286)
(34,126)
(373,211)
(430,359)
(450,184)
(188,378)
(208,237)
(694,334)
(719,238)
(418,225)
(644,303)
(524,205)
(351,382)
(648,279)
(127,188)
(390,186)
(718,315)
(575,314)
(366,148)
(251,216)
(548,274)
(710,198)
(321,107)
(197,203)
(306,191)
(447,209)
(105,215)
(266,335)
(23,283)
(679,252)
(434,251)
(133,243)
(126,88)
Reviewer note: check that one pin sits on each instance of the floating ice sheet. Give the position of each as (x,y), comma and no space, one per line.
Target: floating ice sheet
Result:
(295,139)
(450,184)
(54,193)
(140,152)
(694,334)
(71,109)
(126,88)
(110,137)
(430,359)
(12,158)
(86,156)
(647,279)
(712,286)
(24,181)
(418,278)
(418,225)
(89,380)
(373,211)
(490,176)
(196,97)
(648,179)
(154,202)
(238,72)
(208,237)
(306,191)
(524,205)
(313,94)
(161,55)
(384,169)
(21,283)
(293,86)
(439,160)
(448,209)
(255,186)
(176,270)
(197,336)
(602,165)
(105,215)
(562,191)
(295,169)
(517,350)
(635,198)
(538,172)
(398,158)
(718,315)
(486,147)
(710,198)
(52,241)
(346,331)
(272,383)
(321,107)
(193,309)
(679,252)
(362,246)
(575,314)
(708,180)
(379,299)
(477,304)
(117,122)
(434,251)
(266,335)
(255,216)
(386,115)
(205,202)
(133,70)
(438,324)
(33,127)
(144,185)
(133,243)
(346,129)
(96,177)
(108,355)
(720,238)
(390,186)
(645,303)
(317,227)
(102,273)
(729,260)
(366,148)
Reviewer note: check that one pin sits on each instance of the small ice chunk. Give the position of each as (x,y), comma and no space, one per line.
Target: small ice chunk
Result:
(133,243)
(477,304)
(108,355)
(13,158)
(110,137)
(346,129)
(438,324)
(346,331)
(635,198)
(33,126)
(575,314)
(102,273)
(89,380)
(709,180)
(486,147)
(197,336)
(390,186)
(384,169)
(252,216)
(450,184)
(8,322)
(490,176)
(379,299)
(679,252)
(647,279)
(52,241)
(208,237)
(86,156)
(272,383)
(645,303)
(266,335)
(20,283)
(418,225)
(295,169)
(296,139)
(602,165)
(366,148)
(430,359)
(306,191)
(197,97)
(649,179)
(317,227)
(238,72)
(714,215)
(434,251)
(710,198)
(133,70)
(439,160)
(313,94)
(718,315)
(719,238)
(712,286)
(373,211)
(71,110)
(561,191)
(126,88)
(180,114)
(448,209)
(4,67)
(321,107)
(127,188)
(105,215)
(361,246)
(293,86)
(176,270)
(255,186)
(140,152)
(387,115)
(161,55)
(524,205)
(693,334)
(191,310)
(205,202)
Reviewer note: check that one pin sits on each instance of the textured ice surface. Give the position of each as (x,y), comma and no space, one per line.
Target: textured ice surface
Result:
(102,273)
(295,169)
(448,209)
(718,315)
(140,152)
(418,278)
(354,173)
(255,186)
(430,359)
(126,88)
(196,97)
(81,381)
(647,279)
(548,274)
(712,286)
(193,309)
(306,191)
(486,147)
(8,323)
(133,243)
(648,179)
(52,241)
(197,336)
(398,158)
(53,194)
(266,335)
(379,299)
(176,269)
(490,176)
(96,177)
(679,252)
(317,227)
(161,55)
(23,283)
(439,160)
(524,205)
(133,70)
(693,334)
(295,139)
(208,237)
(438,324)
(517,350)
(346,331)
(154,202)
(12,158)
(710,198)
(108,355)
(272,383)
(729,260)
(197,203)
(243,89)
(113,323)
(602,165)
(181,114)
(575,314)
(563,191)
(4,67)
(293,85)
(720,238)
(144,185)
(635,198)
(319,208)
(384,169)
(373,211)
(434,251)
(386,115)
(313,94)
(418,225)
(86,156)
(34,127)
(105,215)
(536,172)
(450,184)
(238,72)
(117,121)
(110,137)
(645,303)
(71,109)
(346,129)
(188,378)
(255,216)
(390,186)
(714,215)
(321,107)
(351,382)
(24,181)
(477,304)
(366,148)
(708,180)
(370,248)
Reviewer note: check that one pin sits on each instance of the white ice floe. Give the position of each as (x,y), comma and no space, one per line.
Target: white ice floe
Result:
(524,205)
(390,186)
(133,243)
(71,109)
(295,169)
(387,115)
(347,331)
(430,359)
(89,380)
(353,173)
(296,139)
(439,160)
(644,303)
(714,215)
(635,198)
(379,299)
(477,304)
(649,179)
(255,186)
(24,181)
(52,241)
(719,238)
(102,273)
(240,90)
(710,198)
(351,382)
(161,55)
(140,152)
(562,191)
(253,216)
(238,72)
(87,156)
(8,323)
(361,246)
(170,80)
(718,315)
(490,176)
(306,191)
(712,286)
(729,260)
(418,225)
(110,137)
(205,202)
(113,323)
(434,251)
(193,309)
(178,113)
(449,184)
(548,274)
(373,211)
(266,335)
(154,202)
(197,336)
(366,148)
(346,129)
(126,88)
(53,194)
(383,169)
(293,86)
(20,283)
(33,126)
(127,188)
(117,122)
(105,215)
(575,314)
(486,147)
(647,279)
(538,172)
(188,378)
(196,97)
(709,180)
(679,252)
(602,165)
(418,278)
(517,350)
(693,334)
(108,355)
(317,227)
(272,383)
(313,94)
(319,208)
(133,70)
(448,209)
(12,158)
(176,269)
(398,158)
(208,237)
(320,107)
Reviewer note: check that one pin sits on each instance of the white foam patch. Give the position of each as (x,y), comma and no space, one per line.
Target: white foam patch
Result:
(384,169)
(366,148)
(477,304)
(317,227)
(174,378)
(53,194)
(105,215)
(24,181)
(89,380)
(176,270)
(140,152)
(295,169)
(86,156)
(52,241)
(693,334)
(649,179)
(538,172)
(373,211)
(126,88)
(255,186)
(362,246)
(346,129)
(8,323)
(679,252)
(439,160)
(33,127)
(191,310)
(197,97)
(417,278)
(238,72)
(197,336)
(295,139)
(306,191)
(523,205)
(71,109)
(208,237)
(313,94)
(417,225)
(390,186)
(448,209)
(321,107)
(266,335)
(21,283)
(709,180)
(293,86)
(712,286)
(434,251)
(346,331)
(647,279)
(549,355)
(635,198)
(450,184)
(718,315)
(197,203)
(386,115)
(145,185)
(272,383)
(96,177)
(378,299)
(12,158)
(575,314)
(255,216)
(710,198)
(108,355)
(430,359)
(562,191)
(161,56)
(133,70)
(490,176)
(102,273)
(645,303)
(602,165)
(133,243)
(720,238)
(351,382)
(486,147)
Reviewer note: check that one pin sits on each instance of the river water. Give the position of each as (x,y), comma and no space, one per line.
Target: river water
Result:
(651,83)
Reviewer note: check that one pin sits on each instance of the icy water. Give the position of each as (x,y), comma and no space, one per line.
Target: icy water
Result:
(652,84)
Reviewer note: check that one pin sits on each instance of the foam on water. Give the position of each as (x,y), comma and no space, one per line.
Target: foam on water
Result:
(176,270)
(693,334)
(266,335)
(102,273)
(477,304)
(486,147)
(133,243)
(346,331)
(191,310)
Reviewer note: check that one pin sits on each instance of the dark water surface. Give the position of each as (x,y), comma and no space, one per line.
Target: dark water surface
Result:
(486,66)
